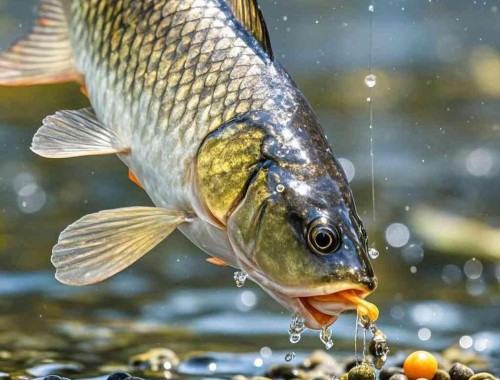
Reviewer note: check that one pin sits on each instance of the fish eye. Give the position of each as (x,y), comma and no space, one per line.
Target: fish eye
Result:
(323,237)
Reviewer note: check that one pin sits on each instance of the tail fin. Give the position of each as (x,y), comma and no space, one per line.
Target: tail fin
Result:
(45,55)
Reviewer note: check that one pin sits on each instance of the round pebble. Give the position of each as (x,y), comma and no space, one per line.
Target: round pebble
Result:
(441,375)
(387,373)
(119,376)
(420,364)
(398,376)
(361,372)
(483,376)
(460,371)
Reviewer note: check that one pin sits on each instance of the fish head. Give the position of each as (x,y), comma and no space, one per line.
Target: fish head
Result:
(297,234)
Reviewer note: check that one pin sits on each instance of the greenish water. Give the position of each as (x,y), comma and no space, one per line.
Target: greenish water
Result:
(437,148)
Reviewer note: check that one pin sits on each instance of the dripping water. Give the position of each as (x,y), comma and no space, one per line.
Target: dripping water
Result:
(240,277)
(297,326)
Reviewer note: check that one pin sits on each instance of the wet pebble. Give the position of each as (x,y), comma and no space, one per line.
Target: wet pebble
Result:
(361,372)
(55,377)
(119,376)
(4,375)
(387,373)
(460,371)
(398,376)
(483,376)
(441,375)
(321,364)
(157,360)
(285,372)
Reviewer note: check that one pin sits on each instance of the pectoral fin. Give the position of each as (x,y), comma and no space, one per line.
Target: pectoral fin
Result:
(74,134)
(100,245)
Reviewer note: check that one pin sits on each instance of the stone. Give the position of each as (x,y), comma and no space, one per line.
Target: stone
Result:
(362,372)
(398,376)
(460,371)
(441,375)
(119,376)
(483,376)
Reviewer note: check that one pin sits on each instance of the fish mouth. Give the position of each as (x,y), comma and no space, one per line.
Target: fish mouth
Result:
(320,306)
(323,310)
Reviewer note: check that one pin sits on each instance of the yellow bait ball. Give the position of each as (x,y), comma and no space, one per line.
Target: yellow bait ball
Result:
(420,365)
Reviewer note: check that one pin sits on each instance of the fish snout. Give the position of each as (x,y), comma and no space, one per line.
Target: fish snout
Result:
(369,282)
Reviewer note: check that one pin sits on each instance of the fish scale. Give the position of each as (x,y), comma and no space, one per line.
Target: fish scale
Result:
(179,71)
(188,94)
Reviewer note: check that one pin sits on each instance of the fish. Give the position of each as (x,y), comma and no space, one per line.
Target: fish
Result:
(189,95)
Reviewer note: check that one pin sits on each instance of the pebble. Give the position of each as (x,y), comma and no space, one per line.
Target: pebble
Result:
(460,371)
(387,373)
(285,372)
(441,375)
(119,376)
(156,360)
(55,377)
(483,376)
(398,376)
(4,375)
(362,372)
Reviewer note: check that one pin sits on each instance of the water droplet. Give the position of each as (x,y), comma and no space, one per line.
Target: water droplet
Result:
(373,253)
(290,356)
(297,325)
(326,337)
(295,338)
(240,277)
(296,328)
(370,80)
(280,188)
(371,8)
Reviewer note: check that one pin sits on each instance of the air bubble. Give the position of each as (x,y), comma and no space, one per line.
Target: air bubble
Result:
(240,277)
(373,253)
(370,80)
(371,8)
(280,188)
(290,356)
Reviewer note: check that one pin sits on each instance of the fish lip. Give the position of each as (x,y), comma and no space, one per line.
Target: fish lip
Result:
(298,300)
(312,313)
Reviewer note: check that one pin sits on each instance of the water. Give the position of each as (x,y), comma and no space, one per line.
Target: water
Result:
(325,336)
(290,356)
(373,253)
(296,329)
(424,59)
(240,278)
(370,80)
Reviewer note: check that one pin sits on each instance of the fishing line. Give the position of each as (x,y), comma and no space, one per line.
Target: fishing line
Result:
(370,84)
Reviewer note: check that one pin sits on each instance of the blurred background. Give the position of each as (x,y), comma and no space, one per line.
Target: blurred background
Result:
(436,112)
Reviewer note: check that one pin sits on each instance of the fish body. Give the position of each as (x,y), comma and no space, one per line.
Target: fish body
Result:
(189,96)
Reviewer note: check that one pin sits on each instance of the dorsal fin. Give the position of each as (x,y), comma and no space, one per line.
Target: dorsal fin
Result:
(249,15)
